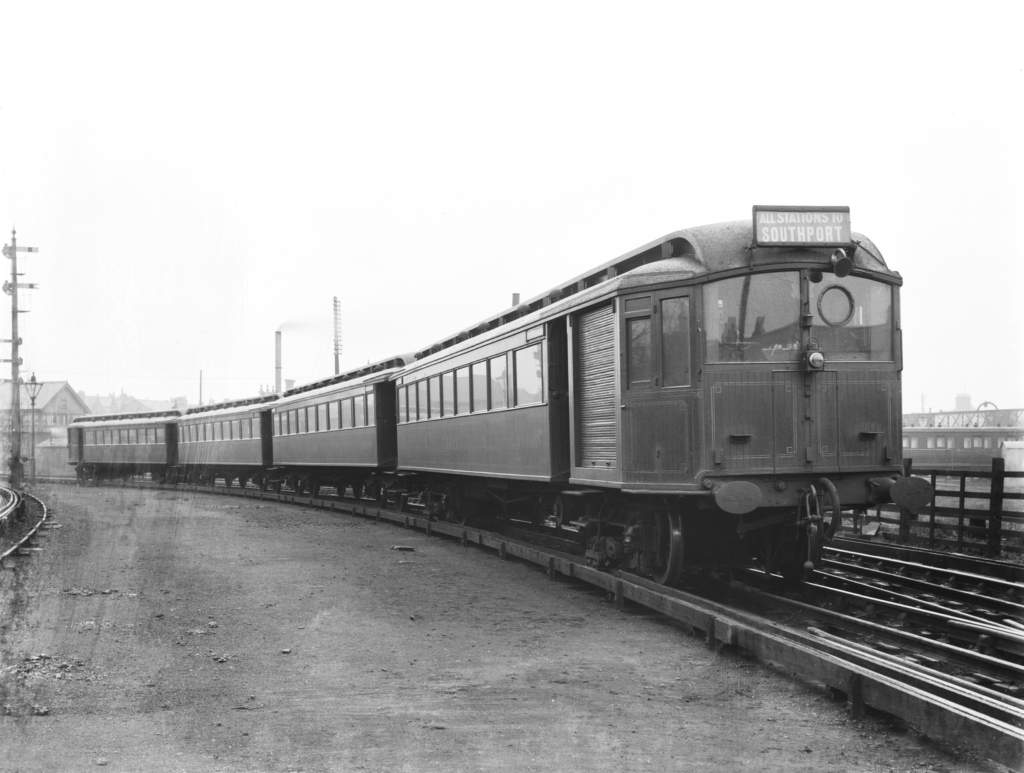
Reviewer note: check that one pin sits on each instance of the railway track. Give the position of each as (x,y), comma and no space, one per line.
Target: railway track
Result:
(23,518)
(849,631)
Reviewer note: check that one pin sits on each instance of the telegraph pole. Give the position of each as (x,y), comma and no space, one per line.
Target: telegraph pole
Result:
(12,289)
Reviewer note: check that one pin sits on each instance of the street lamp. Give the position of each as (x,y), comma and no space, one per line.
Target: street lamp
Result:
(33,392)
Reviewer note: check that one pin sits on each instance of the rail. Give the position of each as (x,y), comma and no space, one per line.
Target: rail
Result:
(14,502)
(10,500)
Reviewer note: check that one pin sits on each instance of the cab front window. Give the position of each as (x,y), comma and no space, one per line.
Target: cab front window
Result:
(851,317)
(753,318)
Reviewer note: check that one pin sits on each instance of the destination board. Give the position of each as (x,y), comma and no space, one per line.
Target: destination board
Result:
(802,226)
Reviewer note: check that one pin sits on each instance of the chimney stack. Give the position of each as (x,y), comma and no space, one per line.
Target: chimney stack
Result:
(277,362)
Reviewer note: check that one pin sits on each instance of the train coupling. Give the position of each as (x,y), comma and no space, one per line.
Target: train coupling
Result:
(908,492)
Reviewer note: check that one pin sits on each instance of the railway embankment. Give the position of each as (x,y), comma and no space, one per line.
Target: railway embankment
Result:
(166,630)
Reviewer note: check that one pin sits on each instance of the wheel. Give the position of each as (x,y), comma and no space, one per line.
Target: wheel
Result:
(456,508)
(669,564)
(560,512)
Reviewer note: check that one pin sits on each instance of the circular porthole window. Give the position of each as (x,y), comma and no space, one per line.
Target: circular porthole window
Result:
(835,305)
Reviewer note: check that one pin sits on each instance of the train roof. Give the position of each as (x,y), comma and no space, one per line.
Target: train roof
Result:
(231,406)
(128,418)
(686,254)
(333,386)
(364,373)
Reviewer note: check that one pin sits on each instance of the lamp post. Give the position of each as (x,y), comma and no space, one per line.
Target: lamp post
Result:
(33,392)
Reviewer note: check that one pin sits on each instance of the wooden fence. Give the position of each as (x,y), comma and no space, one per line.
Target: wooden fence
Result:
(970,510)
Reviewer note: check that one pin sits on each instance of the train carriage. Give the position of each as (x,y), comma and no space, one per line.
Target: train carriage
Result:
(711,397)
(337,432)
(120,446)
(487,420)
(229,440)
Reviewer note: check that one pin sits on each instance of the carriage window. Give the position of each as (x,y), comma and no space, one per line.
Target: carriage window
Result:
(151,435)
(988,442)
(977,442)
(478,371)
(950,442)
(133,436)
(346,414)
(403,416)
(675,341)
(931,442)
(462,390)
(753,318)
(852,317)
(236,429)
(321,418)
(277,424)
(160,435)
(90,437)
(906,442)
(255,428)
(913,442)
(359,406)
(940,442)
(529,375)
(332,413)
(448,393)
(246,427)
(435,396)
(421,399)
(371,415)
(302,421)
(499,382)
(639,351)
(218,431)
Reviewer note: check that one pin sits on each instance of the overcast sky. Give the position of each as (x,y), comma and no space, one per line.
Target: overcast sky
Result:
(197,176)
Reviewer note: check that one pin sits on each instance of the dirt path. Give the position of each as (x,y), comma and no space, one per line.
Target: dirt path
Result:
(200,633)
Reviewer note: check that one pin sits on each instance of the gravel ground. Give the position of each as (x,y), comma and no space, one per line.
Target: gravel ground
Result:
(179,632)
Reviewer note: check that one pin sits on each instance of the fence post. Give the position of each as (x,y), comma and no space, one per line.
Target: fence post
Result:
(960,513)
(908,470)
(995,507)
(931,518)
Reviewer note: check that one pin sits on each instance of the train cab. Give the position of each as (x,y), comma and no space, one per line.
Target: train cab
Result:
(716,396)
